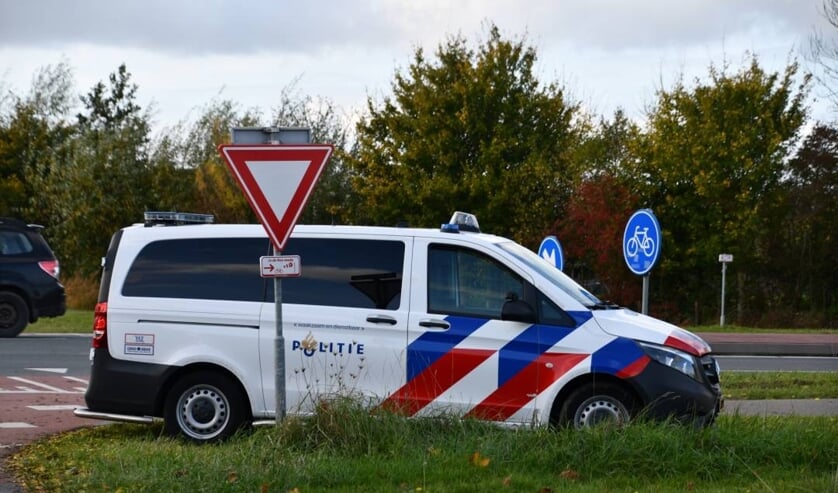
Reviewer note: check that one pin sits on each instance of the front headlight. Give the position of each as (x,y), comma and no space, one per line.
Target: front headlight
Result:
(673,358)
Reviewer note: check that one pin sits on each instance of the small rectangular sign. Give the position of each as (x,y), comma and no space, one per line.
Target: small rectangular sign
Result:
(281,266)
(726,257)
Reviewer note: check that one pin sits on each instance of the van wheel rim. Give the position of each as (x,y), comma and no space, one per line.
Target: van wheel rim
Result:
(203,411)
(600,409)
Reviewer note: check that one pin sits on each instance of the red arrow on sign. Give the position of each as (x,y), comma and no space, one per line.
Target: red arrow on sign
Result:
(277,181)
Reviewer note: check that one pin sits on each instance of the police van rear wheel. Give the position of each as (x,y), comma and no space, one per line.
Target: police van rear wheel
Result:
(204,407)
(592,405)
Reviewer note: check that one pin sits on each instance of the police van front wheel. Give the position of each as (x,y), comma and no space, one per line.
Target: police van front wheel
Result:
(591,405)
(204,407)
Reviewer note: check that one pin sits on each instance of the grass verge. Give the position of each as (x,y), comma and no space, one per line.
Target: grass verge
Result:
(72,322)
(343,448)
(749,385)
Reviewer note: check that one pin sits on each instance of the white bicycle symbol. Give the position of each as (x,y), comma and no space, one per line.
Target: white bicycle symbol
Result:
(640,241)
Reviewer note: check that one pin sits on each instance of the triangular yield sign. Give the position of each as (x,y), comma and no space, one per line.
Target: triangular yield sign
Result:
(277,181)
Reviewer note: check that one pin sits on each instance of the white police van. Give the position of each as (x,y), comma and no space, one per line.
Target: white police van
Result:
(419,321)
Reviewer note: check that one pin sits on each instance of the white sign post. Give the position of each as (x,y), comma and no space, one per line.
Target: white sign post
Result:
(277,179)
(724,258)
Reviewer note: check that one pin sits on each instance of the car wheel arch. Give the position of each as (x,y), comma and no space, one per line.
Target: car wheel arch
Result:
(587,379)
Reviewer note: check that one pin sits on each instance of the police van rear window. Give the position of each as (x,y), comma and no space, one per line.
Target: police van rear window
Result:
(202,268)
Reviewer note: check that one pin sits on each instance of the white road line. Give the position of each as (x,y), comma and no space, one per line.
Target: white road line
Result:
(13,424)
(39,384)
(50,370)
(76,379)
(56,407)
(20,390)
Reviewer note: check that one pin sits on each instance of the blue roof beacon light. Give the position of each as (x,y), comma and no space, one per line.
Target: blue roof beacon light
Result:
(461,221)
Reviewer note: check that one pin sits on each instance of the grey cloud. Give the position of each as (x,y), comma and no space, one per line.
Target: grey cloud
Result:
(643,24)
(193,27)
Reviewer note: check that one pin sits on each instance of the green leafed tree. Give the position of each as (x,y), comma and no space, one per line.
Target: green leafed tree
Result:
(33,132)
(189,171)
(471,130)
(104,181)
(332,200)
(710,166)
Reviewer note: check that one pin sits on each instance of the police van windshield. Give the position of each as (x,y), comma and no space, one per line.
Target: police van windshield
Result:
(554,275)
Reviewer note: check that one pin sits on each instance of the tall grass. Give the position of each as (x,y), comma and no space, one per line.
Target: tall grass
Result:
(344,448)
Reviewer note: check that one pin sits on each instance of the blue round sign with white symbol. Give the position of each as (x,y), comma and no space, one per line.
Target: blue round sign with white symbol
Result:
(642,242)
(551,251)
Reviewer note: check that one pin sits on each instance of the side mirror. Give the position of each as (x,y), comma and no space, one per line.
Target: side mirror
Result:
(517,311)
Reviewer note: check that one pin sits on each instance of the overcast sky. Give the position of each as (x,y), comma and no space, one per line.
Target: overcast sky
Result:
(183,54)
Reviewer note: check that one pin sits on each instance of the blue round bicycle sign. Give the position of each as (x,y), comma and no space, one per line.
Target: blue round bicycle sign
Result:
(642,242)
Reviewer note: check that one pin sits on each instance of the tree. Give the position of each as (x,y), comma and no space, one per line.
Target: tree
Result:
(804,245)
(332,200)
(823,50)
(469,130)
(33,134)
(591,229)
(592,233)
(104,182)
(711,166)
(189,170)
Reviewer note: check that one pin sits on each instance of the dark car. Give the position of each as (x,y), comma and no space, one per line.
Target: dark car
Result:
(29,286)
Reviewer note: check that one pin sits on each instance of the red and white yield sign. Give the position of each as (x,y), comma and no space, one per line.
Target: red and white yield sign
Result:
(277,181)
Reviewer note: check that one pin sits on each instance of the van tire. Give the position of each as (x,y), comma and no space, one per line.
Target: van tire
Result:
(204,407)
(591,404)
(14,314)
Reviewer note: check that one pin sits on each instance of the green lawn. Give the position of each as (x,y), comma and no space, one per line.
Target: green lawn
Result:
(72,322)
(344,449)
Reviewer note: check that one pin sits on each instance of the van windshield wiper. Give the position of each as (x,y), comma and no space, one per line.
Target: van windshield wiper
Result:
(604,305)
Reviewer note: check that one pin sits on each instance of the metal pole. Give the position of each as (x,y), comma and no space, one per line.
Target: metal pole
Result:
(722,318)
(645,309)
(279,351)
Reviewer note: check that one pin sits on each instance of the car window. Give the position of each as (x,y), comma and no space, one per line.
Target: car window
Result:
(466,282)
(202,268)
(345,272)
(14,243)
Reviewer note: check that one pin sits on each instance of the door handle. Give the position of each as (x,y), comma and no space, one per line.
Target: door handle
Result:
(380,319)
(435,324)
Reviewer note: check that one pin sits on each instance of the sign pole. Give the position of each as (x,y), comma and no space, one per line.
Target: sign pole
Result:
(724,258)
(645,303)
(722,318)
(248,172)
(279,350)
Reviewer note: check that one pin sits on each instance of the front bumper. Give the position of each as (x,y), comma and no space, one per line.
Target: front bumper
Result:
(670,394)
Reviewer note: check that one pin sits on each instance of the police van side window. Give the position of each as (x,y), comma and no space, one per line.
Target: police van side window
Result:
(205,268)
(466,282)
(345,272)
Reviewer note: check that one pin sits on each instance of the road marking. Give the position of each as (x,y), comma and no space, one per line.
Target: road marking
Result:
(39,384)
(13,424)
(56,407)
(76,379)
(50,370)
